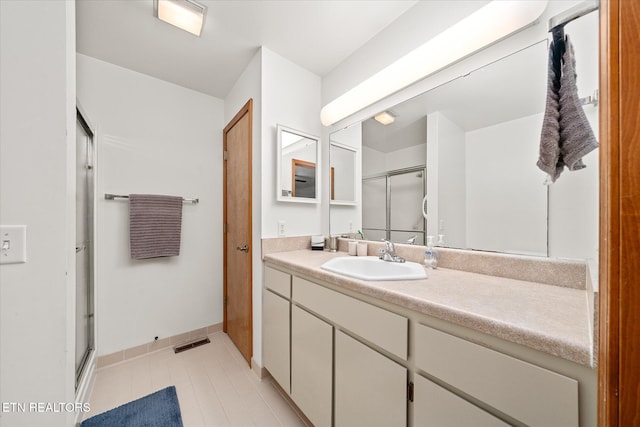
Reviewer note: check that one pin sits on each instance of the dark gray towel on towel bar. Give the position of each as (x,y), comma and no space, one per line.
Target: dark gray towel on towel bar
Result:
(576,136)
(566,133)
(550,160)
(155,225)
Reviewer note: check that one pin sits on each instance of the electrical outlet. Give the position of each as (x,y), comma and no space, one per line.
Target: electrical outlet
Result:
(281,228)
(350,226)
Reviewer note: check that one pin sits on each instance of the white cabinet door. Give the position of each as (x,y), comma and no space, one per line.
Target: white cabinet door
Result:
(311,366)
(275,331)
(371,390)
(435,406)
(533,395)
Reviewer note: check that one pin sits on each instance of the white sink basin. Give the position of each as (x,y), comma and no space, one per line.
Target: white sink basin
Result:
(373,268)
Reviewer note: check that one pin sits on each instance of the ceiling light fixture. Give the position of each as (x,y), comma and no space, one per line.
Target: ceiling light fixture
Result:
(487,25)
(184,14)
(386,117)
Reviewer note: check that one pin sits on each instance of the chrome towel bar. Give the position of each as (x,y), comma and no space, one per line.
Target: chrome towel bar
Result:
(109,196)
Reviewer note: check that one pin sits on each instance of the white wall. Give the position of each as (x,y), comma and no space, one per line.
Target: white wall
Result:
(291,97)
(506,203)
(406,157)
(446,192)
(376,162)
(37,189)
(373,161)
(159,138)
(413,28)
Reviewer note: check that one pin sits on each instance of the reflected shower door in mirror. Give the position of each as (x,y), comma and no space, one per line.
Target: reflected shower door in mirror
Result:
(391,206)
(298,166)
(479,137)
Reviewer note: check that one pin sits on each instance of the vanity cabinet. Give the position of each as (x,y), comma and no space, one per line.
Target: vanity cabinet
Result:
(370,388)
(436,406)
(350,361)
(530,394)
(276,326)
(311,366)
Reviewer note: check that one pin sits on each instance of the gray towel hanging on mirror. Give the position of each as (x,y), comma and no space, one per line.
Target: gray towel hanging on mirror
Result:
(566,134)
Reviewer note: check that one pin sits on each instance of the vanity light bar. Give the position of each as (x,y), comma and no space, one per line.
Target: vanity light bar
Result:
(487,25)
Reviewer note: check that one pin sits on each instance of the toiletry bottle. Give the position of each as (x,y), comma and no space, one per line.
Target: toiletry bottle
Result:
(430,257)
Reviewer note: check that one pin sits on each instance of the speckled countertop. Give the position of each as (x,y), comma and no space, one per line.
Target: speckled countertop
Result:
(552,319)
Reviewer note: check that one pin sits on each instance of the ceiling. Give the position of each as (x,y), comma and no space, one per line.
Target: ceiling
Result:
(315,34)
(505,90)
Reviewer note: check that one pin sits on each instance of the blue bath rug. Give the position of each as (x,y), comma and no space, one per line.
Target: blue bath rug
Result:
(159,409)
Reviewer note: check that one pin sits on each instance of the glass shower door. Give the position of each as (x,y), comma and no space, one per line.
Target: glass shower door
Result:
(374,208)
(405,216)
(84,247)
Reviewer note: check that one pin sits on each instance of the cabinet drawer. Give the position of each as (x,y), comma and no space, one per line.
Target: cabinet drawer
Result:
(528,393)
(381,327)
(435,406)
(277,281)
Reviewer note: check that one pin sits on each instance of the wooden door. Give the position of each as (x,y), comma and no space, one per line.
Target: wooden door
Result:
(619,283)
(237,237)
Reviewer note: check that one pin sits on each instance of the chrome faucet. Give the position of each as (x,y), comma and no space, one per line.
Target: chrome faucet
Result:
(389,253)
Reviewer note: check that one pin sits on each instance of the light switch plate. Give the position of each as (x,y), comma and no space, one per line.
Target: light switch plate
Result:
(13,244)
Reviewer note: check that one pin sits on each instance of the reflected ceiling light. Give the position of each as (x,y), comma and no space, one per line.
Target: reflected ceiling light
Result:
(386,118)
(492,22)
(184,14)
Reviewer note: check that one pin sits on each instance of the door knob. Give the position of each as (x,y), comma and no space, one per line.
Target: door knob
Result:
(244,248)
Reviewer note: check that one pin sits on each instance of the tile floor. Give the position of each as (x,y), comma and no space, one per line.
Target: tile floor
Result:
(214,383)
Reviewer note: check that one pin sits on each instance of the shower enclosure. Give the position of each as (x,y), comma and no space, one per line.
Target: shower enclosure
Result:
(392,205)
(84,246)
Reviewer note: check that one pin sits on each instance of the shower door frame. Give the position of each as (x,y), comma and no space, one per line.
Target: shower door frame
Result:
(387,176)
(82,369)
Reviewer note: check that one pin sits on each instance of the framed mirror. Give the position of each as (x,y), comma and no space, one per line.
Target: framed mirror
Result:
(342,174)
(298,166)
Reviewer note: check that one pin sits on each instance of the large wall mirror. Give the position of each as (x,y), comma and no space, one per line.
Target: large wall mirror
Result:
(466,153)
(298,166)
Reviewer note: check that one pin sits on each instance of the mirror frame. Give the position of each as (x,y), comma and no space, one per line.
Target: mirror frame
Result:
(279,197)
(331,178)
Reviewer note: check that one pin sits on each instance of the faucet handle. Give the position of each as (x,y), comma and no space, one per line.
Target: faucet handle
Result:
(390,246)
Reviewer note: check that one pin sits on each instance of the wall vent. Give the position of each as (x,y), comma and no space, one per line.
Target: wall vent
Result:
(197,342)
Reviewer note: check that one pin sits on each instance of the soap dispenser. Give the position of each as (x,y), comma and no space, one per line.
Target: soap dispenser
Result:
(430,256)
